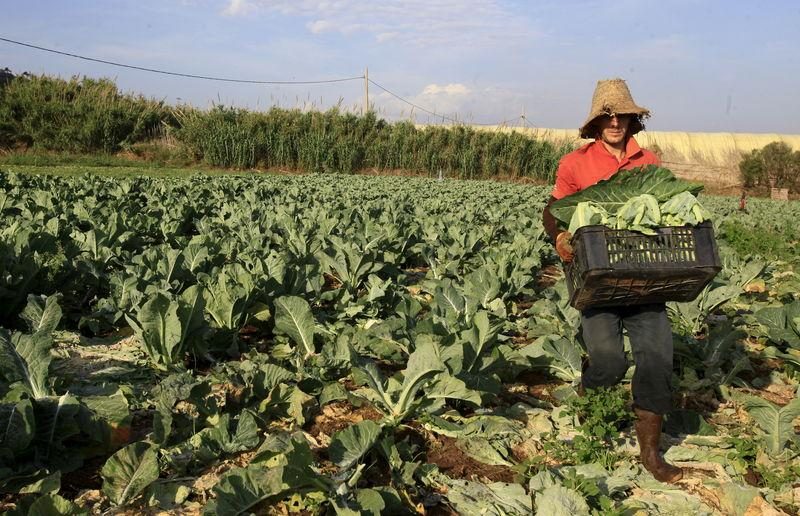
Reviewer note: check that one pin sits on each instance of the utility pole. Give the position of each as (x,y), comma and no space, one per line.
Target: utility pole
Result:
(365,107)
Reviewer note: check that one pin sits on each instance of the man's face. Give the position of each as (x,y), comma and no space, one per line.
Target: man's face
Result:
(614,128)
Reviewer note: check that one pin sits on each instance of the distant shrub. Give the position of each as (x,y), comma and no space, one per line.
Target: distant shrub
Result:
(5,76)
(76,115)
(6,129)
(774,165)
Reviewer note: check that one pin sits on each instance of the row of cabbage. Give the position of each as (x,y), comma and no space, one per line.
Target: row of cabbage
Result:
(258,301)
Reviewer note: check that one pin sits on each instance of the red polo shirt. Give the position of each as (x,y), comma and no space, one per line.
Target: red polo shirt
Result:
(591,163)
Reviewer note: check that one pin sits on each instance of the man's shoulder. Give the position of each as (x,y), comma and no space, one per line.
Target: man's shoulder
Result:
(640,155)
(649,157)
(578,153)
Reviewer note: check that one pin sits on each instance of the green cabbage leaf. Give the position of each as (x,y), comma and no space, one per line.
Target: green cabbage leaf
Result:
(640,199)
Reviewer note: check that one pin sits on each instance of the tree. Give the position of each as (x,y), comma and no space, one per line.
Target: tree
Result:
(775,166)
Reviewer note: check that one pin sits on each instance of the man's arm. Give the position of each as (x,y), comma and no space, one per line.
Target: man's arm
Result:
(565,185)
(549,222)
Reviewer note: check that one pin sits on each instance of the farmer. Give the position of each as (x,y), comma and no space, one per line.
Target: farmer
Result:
(613,120)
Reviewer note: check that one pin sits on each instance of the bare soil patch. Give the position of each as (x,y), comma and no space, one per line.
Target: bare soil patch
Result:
(339,415)
(540,385)
(83,478)
(548,276)
(444,452)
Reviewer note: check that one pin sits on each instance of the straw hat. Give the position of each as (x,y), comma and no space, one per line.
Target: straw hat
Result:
(612,97)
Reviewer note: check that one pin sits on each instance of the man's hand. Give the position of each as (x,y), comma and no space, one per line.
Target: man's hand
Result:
(564,246)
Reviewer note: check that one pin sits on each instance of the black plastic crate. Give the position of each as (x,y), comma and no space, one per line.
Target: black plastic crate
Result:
(617,267)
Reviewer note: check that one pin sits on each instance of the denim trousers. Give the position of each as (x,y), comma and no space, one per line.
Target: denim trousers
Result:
(650,334)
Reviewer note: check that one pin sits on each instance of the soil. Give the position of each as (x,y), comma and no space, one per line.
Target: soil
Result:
(339,415)
(415,274)
(443,452)
(83,478)
(8,502)
(548,276)
(90,356)
(753,478)
(772,394)
(203,484)
(331,282)
(540,385)
(141,425)
(703,402)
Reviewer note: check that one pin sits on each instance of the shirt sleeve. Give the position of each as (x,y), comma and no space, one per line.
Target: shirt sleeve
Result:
(565,181)
(651,158)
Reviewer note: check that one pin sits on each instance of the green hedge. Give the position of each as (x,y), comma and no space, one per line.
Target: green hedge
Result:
(92,116)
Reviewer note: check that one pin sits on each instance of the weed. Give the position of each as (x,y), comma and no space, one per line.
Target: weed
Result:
(773,476)
(747,240)
(602,414)
(598,502)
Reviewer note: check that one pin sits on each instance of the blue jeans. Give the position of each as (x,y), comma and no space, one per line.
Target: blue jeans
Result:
(650,334)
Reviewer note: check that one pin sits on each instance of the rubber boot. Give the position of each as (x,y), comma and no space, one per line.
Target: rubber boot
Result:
(648,432)
(581,390)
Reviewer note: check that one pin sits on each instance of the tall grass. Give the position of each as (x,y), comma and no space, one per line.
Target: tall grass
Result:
(77,115)
(333,141)
(92,116)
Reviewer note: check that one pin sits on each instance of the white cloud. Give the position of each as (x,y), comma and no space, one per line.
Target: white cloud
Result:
(319,26)
(454,101)
(386,36)
(416,22)
(238,8)
(449,89)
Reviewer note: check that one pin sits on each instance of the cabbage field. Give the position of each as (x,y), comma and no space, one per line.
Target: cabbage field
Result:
(327,344)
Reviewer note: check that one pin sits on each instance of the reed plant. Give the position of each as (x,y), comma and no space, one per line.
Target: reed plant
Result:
(86,116)
(332,141)
(79,115)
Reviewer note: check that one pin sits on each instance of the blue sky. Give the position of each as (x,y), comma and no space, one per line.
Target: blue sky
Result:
(698,65)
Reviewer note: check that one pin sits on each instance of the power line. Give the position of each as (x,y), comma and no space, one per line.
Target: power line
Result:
(398,97)
(247,81)
(177,74)
(504,122)
(528,123)
(443,117)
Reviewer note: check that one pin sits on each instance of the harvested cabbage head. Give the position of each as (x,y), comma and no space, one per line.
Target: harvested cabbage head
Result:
(587,214)
(640,213)
(683,209)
